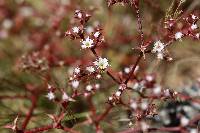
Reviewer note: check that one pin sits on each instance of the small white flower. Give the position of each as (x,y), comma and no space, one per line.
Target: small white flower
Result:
(158,47)
(50,95)
(65,97)
(77,70)
(98,76)
(193,131)
(7,24)
(167,92)
(130,123)
(178,35)
(133,105)
(144,105)
(79,15)
(75,29)
(194,17)
(90,69)
(49,86)
(97,86)
(197,35)
(157,90)
(88,88)
(75,84)
(149,78)
(96,34)
(87,15)
(110,98)
(87,43)
(121,87)
(103,39)
(67,33)
(118,93)
(127,70)
(184,121)
(89,29)
(160,55)
(101,63)
(136,86)
(144,126)
(194,26)
(77,11)
(26,11)
(175,92)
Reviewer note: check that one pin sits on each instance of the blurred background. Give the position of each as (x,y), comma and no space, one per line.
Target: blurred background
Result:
(28,26)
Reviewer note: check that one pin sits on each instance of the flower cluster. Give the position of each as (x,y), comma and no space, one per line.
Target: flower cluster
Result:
(91,87)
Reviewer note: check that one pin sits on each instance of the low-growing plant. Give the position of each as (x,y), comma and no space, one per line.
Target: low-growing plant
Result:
(93,89)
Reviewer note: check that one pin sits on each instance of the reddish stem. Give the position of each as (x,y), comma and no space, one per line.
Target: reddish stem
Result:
(48,127)
(133,68)
(30,113)
(139,21)
(103,115)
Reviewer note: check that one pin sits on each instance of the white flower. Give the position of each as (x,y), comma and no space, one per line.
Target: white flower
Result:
(49,86)
(88,88)
(87,43)
(67,33)
(167,92)
(193,131)
(144,126)
(97,86)
(98,76)
(96,34)
(121,87)
(79,15)
(75,84)
(149,78)
(90,69)
(127,70)
(7,24)
(110,98)
(101,63)
(178,35)
(75,29)
(50,95)
(87,15)
(160,55)
(77,11)
(89,29)
(133,105)
(77,70)
(197,35)
(136,86)
(158,47)
(118,93)
(26,11)
(130,123)
(194,17)
(144,105)
(194,26)
(157,90)
(65,97)
(184,121)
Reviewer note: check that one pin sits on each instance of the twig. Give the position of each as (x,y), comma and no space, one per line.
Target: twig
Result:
(30,113)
